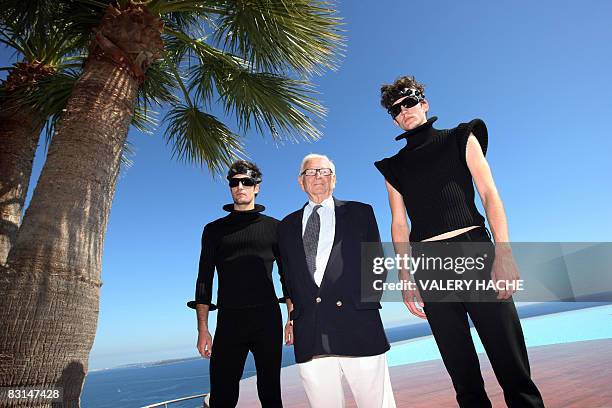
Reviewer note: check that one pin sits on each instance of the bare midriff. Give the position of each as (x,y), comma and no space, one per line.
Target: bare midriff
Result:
(450,234)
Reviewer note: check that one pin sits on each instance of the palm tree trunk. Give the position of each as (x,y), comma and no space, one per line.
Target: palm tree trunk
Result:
(50,286)
(51,283)
(19,133)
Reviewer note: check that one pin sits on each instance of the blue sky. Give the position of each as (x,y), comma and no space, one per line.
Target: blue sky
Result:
(536,72)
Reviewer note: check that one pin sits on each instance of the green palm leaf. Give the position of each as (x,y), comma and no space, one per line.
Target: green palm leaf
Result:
(268,101)
(200,138)
(299,35)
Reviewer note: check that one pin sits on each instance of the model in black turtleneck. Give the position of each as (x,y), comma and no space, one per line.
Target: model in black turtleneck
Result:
(432,175)
(242,247)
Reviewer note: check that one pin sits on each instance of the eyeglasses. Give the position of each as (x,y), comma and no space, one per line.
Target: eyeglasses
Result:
(407,103)
(246,181)
(313,172)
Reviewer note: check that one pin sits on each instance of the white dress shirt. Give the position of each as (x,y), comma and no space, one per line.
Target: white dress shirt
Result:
(327,215)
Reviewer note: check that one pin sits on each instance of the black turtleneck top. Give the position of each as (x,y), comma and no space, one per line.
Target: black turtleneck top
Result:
(242,246)
(432,175)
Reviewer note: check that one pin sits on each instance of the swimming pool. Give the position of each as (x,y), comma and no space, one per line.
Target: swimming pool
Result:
(566,327)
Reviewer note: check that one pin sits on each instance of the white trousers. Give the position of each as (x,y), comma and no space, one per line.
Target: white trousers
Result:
(368,378)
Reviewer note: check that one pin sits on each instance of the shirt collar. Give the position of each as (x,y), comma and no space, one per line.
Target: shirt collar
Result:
(327,203)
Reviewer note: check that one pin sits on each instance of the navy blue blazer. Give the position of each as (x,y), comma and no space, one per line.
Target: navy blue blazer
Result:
(337,318)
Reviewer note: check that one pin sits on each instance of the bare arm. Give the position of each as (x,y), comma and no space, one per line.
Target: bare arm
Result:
(202,316)
(399,223)
(504,267)
(483,178)
(400,233)
(204,344)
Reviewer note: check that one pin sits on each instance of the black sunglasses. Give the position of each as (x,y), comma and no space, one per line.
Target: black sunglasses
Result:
(407,103)
(246,181)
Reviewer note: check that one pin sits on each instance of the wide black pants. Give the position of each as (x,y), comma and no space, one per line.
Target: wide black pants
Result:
(259,330)
(499,329)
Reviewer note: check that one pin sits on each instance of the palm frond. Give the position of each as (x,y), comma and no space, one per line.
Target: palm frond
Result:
(270,102)
(48,97)
(145,119)
(52,47)
(126,156)
(159,86)
(177,51)
(280,35)
(200,138)
(286,107)
(11,41)
(25,16)
(79,18)
(183,7)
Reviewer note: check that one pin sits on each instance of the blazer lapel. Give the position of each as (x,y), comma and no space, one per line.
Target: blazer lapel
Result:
(331,274)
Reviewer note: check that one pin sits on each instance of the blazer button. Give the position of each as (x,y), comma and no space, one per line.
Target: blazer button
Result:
(339,303)
(318,300)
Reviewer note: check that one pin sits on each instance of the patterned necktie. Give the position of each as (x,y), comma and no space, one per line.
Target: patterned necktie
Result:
(311,239)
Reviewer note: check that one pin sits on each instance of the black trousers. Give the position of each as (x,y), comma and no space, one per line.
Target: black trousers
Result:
(257,329)
(499,329)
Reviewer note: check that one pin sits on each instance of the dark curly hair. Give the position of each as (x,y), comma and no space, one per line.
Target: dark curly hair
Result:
(391,93)
(245,167)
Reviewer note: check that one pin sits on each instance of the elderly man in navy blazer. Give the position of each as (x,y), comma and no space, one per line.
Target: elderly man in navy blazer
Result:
(335,324)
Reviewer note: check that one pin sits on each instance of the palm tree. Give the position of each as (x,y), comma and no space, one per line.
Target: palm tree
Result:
(32,98)
(252,56)
(43,56)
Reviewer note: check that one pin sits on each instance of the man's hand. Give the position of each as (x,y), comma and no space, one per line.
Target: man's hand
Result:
(205,343)
(413,301)
(411,295)
(504,270)
(289,333)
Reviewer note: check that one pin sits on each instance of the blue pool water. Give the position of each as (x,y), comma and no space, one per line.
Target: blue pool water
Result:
(577,325)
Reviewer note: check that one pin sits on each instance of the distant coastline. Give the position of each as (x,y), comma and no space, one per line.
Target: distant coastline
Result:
(148,364)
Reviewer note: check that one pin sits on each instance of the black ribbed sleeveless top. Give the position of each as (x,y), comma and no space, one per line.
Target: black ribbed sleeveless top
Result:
(432,176)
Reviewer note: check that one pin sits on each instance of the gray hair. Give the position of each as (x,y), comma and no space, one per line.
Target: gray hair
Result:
(316,156)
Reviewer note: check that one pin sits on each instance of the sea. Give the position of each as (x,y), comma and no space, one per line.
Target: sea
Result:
(139,385)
